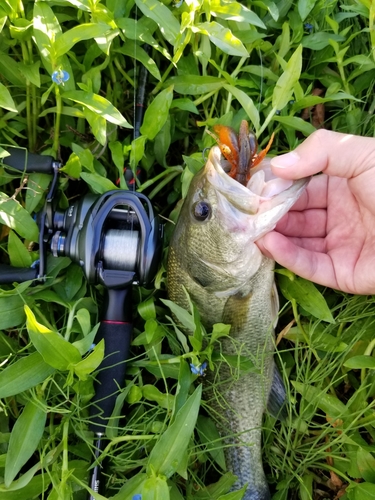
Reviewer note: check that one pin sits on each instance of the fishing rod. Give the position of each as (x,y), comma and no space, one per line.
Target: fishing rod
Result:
(118,316)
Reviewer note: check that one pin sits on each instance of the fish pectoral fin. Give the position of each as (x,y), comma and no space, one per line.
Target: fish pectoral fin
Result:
(275,305)
(276,404)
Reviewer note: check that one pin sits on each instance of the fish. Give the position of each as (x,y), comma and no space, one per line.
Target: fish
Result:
(213,257)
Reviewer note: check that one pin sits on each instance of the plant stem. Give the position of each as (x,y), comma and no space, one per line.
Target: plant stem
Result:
(124,73)
(56,134)
(267,121)
(302,330)
(163,78)
(25,55)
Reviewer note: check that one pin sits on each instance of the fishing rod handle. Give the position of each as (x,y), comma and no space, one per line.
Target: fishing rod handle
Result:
(9,274)
(22,160)
(111,374)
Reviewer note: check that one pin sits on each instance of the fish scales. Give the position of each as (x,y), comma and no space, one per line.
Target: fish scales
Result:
(246,394)
(214,257)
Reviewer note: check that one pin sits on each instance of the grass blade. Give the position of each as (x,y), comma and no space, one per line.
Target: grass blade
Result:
(168,452)
(24,439)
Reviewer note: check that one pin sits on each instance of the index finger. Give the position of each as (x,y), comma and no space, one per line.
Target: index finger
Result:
(332,153)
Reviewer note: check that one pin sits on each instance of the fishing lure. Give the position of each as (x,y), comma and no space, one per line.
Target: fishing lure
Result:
(240,150)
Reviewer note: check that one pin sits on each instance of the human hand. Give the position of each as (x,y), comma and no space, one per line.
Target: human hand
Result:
(329,235)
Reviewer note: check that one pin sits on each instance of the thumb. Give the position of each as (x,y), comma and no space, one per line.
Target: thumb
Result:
(341,155)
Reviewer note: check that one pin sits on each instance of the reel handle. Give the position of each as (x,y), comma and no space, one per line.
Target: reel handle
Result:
(117,336)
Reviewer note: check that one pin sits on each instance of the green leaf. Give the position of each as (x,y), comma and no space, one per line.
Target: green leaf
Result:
(32,490)
(97,104)
(221,487)
(247,104)
(24,439)
(321,40)
(360,361)
(305,7)
(219,330)
(98,125)
(6,100)
(185,318)
(98,183)
(283,90)
(12,313)
(117,155)
(72,167)
(306,295)
(91,362)
(234,11)
(140,55)
(234,495)
(167,453)
(195,84)
(18,254)
(147,309)
(137,151)
(72,283)
(167,22)
(328,403)
(366,465)
(185,104)
(31,72)
(84,5)
(222,38)
(152,393)
(81,32)
(56,351)
(84,345)
(311,100)
(24,374)
(296,123)
(37,185)
(13,215)
(306,487)
(10,70)
(157,113)
(162,143)
(362,491)
(155,488)
(210,436)
(183,387)
(46,30)
(131,487)
(138,31)
(153,333)
(83,318)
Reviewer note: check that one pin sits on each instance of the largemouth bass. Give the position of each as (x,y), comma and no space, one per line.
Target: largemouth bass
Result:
(214,257)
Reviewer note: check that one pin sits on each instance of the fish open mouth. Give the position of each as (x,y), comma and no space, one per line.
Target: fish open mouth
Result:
(263,191)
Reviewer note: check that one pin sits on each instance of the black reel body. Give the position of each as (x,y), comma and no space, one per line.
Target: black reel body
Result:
(115,237)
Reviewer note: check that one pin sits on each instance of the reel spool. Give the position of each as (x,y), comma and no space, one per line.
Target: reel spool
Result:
(115,238)
(120,249)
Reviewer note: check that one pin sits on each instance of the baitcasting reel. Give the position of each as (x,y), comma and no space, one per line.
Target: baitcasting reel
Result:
(114,237)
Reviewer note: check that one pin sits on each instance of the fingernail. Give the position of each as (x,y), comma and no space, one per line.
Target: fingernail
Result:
(285,161)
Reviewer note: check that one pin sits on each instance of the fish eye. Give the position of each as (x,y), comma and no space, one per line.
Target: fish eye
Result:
(201,210)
